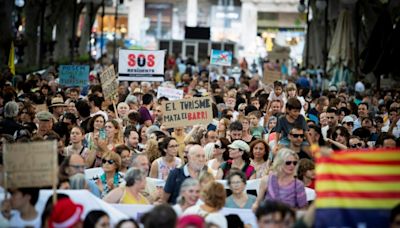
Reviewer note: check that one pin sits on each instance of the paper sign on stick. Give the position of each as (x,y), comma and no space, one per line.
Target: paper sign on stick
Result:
(73,75)
(171,94)
(187,112)
(270,76)
(31,164)
(221,58)
(109,83)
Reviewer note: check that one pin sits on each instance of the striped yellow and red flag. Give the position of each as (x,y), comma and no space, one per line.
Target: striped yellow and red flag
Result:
(357,188)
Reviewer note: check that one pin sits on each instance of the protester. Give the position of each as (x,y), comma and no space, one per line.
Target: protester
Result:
(196,162)
(97,219)
(135,183)
(239,198)
(66,212)
(161,167)
(240,159)
(111,178)
(214,199)
(282,185)
(259,154)
(188,196)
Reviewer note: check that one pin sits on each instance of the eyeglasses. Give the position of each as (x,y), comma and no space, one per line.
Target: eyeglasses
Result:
(291,162)
(236,182)
(349,123)
(298,135)
(356,145)
(216,146)
(108,161)
(241,110)
(77,166)
(173,146)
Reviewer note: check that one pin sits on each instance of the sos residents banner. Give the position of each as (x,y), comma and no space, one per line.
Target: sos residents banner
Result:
(141,65)
(187,112)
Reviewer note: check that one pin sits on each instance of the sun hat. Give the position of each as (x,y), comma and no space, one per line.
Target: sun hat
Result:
(240,144)
(57,101)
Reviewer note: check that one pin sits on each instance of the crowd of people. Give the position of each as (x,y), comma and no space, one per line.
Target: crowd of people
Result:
(263,132)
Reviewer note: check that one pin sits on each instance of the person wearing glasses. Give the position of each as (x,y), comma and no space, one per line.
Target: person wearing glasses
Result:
(111,178)
(220,155)
(72,165)
(168,161)
(130,193)
(239,198)
(348,123)
(281,184)
(355,142)
(296,138)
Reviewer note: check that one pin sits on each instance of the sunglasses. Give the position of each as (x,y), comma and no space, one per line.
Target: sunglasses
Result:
(108,161)
(298,135)
(216,146)
(356,145)
(291,162)
(349,123)
(241,110)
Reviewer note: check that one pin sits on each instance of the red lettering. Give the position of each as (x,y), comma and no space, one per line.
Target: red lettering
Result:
(202,115)
(131,60)
(198,115)
(189,116)
(150,60)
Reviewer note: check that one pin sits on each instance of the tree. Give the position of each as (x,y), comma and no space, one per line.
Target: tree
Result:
(5,30)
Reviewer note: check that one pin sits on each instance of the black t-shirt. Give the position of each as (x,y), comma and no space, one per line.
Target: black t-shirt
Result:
(174,182)
(303,154)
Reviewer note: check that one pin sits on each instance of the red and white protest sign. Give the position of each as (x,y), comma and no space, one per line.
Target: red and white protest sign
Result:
(141,62)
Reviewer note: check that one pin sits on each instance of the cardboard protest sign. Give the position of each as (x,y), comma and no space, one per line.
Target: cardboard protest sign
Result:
(171,94)
(187,112)
(40,107)
(221,58)
(141,65)
(109,83)
(270,76)
(31,164)
(73,75)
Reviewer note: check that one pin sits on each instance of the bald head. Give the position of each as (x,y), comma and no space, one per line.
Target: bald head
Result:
(76,165)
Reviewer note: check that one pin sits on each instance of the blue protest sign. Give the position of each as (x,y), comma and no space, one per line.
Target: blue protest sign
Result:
(222,58)
(74,75)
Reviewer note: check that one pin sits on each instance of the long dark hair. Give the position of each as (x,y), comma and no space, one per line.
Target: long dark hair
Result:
(93,217)
(163,145)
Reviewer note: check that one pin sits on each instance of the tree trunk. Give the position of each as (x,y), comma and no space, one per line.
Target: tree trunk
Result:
(90,17)
(32,13)
(64,29)
(5,30)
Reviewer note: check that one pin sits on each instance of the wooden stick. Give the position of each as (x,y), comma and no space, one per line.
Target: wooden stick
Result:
(55,166)
(5,172)
(115,108)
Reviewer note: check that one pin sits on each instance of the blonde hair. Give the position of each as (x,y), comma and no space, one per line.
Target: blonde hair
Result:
(152,151)
(214,195)
(114,156)
(209,151)
(280,158)
(291,86)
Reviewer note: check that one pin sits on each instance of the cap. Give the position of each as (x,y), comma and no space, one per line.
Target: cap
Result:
(195,221)
(57,101)
(239,144)
(44,116)
(347,119)
(65,214)
(332,89)
(131,99)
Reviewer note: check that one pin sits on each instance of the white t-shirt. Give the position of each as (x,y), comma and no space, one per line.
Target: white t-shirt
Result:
(17,221)
(214,218)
